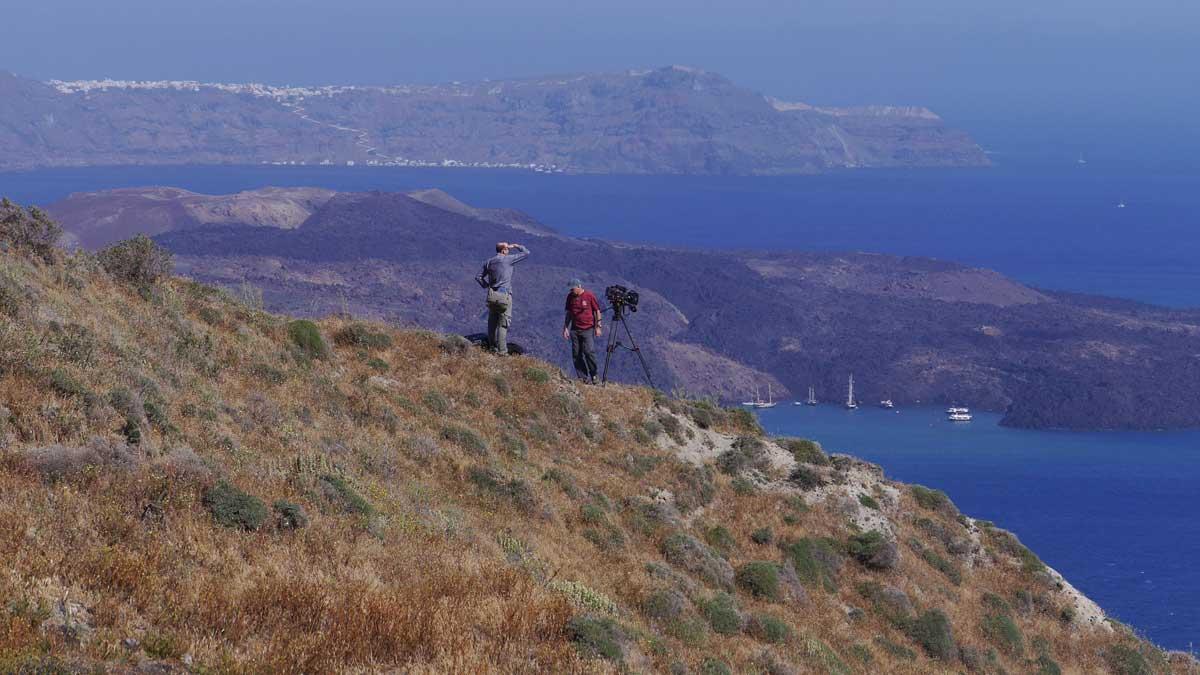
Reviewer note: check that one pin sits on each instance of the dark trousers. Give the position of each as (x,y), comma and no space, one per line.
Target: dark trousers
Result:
(583,352)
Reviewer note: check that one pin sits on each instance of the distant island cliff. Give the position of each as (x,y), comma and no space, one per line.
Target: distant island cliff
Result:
(715,323)
(672,120)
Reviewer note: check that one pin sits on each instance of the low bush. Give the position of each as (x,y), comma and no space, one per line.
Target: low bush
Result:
(1047,666)
(895,650)
(56,462)
(720,539)
(596,636)
(888,602)
(30,230)
(868,501)
(760,578)
(934,500)
(691,555)
(748,453)
(64,384)
(933,632)
(817,562)
(722,614)
(711,665)
(584,596)
(232,507)
(762,535)
(873,550)
(289,516)
(137,261)
(508,488)
(665,605)
(693,486)
(806,478)
(767,628)
(1000,629)
(1123,660)
(305,335)
(805,451)
(340,493)
(537,375)
(465,438)
(361,336)
(436,401)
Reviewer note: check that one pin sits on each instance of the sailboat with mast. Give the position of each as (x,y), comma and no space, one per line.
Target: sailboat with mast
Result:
(758,402)
(850,402)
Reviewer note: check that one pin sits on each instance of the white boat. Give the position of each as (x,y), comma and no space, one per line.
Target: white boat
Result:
(770,402)
(850,403)
(756,401)
(811,400)
(957,411)
(1121,204)
(959,417)
(1081,161)
(887,403)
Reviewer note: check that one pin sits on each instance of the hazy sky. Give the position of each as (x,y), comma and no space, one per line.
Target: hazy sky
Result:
(1004,69)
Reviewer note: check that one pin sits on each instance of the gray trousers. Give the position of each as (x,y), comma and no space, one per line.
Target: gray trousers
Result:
(583,352)
(499,319)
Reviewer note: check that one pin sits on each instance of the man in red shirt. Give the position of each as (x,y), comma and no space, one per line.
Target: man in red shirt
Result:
(581,327)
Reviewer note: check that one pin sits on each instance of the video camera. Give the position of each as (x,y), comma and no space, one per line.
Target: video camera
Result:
(619,296)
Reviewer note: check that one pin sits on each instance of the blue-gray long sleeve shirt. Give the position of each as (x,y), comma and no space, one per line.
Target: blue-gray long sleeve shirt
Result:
(497,271)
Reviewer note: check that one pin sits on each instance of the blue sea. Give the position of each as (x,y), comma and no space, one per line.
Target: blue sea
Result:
(1116,513)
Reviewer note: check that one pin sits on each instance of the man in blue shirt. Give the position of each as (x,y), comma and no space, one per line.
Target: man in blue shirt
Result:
(497,278)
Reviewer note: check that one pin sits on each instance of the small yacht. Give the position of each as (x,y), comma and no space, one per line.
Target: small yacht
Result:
(959,417)
(957,411)
(1081,161)
(850,403)
(812,398)
(887,403)
(1121,204)
(770,402)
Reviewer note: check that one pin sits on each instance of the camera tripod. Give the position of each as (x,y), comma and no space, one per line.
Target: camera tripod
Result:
(618,310)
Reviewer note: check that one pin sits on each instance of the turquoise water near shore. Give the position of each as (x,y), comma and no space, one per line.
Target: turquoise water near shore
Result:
(1114,512)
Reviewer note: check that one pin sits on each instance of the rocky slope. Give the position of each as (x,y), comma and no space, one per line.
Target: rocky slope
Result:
(669,120)
(722,323)
(189,484)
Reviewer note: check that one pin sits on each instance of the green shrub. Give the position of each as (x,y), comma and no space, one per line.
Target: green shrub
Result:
(232,507)
(606,537)
(378,365)
(537,375)
(1000,629)
(665,604)
(338,491)
(65,385)
(711,665)
(895,650)
(817,562)
(690,554)
(307,337)
(289,516)
(501,384)
(436,401)
(747,453)
(805,451)
(693,487)
(361,336)
(1047,666)
(873,550)
(806,478)
(890,603)
(745,421)
(996,603)
(934,500)
(760,578)
(162,646)
(465,438)
(511,489)
(514,446)
(868,501)
(762,535)
(690,630)
(933,632)
(767,628)
(722,614)
(720,539)
(940,564)
(30,229)
(268,374)
(1123,660)
(862,653)
(596,636)
(138,261)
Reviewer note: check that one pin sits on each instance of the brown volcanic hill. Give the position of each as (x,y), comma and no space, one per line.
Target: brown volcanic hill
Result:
(189,484)
(668,120)
(720,324)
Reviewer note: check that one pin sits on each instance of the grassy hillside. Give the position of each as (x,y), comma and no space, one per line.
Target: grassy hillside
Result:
(188,481)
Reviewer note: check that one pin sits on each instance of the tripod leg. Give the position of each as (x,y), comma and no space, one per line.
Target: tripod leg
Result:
(638,350)
(612,347)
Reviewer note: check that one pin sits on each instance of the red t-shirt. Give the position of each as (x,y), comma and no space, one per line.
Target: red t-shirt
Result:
(582,309)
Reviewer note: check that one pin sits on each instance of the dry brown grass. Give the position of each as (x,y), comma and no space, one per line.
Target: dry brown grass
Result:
(443,572)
